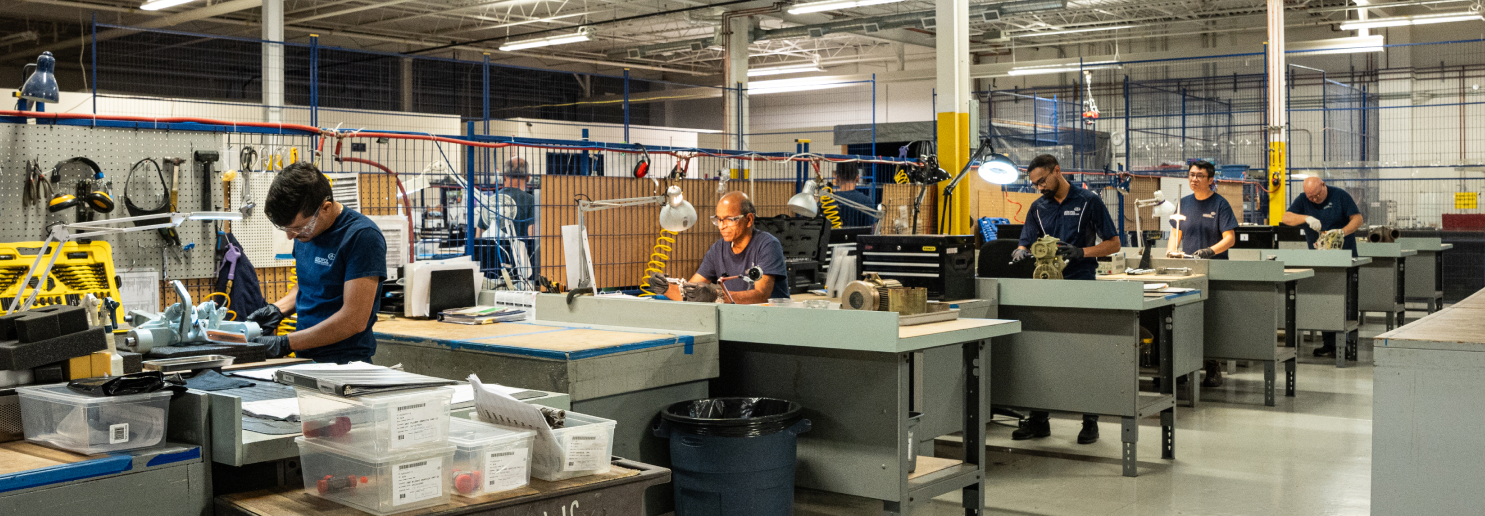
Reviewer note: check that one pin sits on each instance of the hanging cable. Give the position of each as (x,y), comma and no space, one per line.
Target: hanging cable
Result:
(659,255)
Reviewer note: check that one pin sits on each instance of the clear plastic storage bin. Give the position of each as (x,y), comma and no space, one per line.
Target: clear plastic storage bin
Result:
(379,485)
(378,424)
(489,458)
(584,446)
(84,424)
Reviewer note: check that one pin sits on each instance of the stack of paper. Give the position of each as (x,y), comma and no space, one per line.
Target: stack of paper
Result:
(482,315)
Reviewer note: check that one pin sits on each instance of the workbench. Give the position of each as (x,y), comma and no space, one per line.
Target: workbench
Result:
(1328,302)
(623,359)
(1247,303)
(1426,440)
(620,491)
(1079,351)
(168,479)
(1425,277)
(1188,351)
(1383,281)
(852,371)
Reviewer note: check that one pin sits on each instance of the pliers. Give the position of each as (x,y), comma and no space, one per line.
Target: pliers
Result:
(36,181)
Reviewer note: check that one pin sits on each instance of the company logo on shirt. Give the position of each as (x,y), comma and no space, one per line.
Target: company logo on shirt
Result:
(325,261)
(1211,215)
(1076,210)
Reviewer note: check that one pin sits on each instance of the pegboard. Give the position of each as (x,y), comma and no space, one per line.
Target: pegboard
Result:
(255,233)
(115,150)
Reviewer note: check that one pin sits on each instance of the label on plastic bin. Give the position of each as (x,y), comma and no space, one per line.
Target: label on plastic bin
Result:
(506,469)
(118,434)
(415,424)
(585,452)
(417,481)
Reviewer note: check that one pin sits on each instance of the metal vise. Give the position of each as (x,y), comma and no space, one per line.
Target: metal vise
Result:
(183,325)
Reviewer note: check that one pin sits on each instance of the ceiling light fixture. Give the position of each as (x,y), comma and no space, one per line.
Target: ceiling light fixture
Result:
(1070,31)
(812,66)
(1400,21)
(832,5)
(1063,68)
(583,34)
(790,85)
(156,5)
(1026,6)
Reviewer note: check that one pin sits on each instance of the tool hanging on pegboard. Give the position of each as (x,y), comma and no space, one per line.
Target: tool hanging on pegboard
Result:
(245,159)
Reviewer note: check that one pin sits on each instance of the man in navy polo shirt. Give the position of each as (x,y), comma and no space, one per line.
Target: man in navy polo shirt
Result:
(1080,220)
(1323,208)
(340,258)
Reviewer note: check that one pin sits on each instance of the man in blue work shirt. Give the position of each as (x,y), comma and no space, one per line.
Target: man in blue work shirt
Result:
(846,175)
(340,258)
(741,248)
(1079,219)
(1323,208)
(1208,230)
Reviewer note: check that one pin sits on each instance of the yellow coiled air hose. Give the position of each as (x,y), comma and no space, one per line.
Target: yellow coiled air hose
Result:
(658,256)
(287,325)
(828,207)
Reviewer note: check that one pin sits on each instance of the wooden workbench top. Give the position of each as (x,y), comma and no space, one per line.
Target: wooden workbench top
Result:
(293,502)
(556,341)
(1459,327)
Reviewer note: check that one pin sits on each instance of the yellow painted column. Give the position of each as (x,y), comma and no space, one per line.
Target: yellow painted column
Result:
(953,87)
(1278,180)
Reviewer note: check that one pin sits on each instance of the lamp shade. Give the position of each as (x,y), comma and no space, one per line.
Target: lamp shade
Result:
(677,214)
(41,86)
(804,203)
(998,169)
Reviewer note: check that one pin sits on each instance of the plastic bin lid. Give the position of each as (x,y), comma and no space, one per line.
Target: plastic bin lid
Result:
(59,393)
(372,458)
(464,432)
(386,397)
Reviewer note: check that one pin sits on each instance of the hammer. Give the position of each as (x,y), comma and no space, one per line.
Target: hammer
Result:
(206,158)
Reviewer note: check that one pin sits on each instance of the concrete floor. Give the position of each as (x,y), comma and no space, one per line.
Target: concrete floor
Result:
(1308,455)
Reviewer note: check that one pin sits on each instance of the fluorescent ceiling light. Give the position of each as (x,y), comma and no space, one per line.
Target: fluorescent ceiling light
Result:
(583,34)
(156,5)
(1026,6)
(780,70)
(1063,68)
(789,85)
(1071,31)
(1422,19)
(831,5)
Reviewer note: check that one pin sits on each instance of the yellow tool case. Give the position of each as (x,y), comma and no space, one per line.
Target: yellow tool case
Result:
(82,269)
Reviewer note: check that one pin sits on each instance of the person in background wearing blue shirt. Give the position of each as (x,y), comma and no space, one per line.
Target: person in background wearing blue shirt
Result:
(340,258)
(1208,231)
(1323,208)
(846,175)
(741,248)
(1079,219)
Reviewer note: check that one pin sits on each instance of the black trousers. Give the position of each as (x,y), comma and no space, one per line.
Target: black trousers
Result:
(1042,416)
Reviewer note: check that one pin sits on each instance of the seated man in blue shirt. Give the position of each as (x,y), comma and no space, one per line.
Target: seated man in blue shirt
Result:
(1210,229)
(846,175)
(1323,208)
(340,258)
(741,248)
(1080,220)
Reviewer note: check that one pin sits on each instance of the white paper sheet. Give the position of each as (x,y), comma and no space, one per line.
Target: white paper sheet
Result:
(495,406)
(286,408)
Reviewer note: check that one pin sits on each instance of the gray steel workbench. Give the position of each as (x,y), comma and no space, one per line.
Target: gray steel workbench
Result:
(1382,283)
(852,373)
(1327,302)
(1425,277)
(1078,351)
(1247,303)
(169,479)
(1426,442)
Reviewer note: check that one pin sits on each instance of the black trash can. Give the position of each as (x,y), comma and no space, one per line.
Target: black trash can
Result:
(733,456)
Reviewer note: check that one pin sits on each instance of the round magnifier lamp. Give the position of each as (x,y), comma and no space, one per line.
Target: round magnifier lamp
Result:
(999,169)
(677,214)
(805,203)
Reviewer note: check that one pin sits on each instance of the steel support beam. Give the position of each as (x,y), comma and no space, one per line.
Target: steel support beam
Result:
(953,90)
(273,61)
(739,38)
(1277,114)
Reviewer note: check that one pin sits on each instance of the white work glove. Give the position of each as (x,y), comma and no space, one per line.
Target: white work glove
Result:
(1314,224)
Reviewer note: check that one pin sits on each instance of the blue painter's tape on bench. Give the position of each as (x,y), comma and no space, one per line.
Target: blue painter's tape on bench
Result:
(110,465)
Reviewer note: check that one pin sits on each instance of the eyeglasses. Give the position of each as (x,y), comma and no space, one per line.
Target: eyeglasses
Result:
(726,221)
(1198,176)
(307,227)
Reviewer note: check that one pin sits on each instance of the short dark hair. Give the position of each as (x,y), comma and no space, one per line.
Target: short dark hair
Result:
(299,190)
(847,171)
(1210,169)
(1046,161)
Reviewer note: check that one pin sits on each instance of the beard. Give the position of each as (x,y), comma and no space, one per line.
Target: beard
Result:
(1050,195)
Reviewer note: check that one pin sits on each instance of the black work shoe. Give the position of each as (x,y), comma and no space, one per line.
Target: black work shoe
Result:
(1213,379)
(1032,429)
(1089,435)
(1325,351)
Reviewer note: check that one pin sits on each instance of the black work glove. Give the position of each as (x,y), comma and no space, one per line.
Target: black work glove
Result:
(699,292)
(1020,254)
(1069,251)
(278,345)
(657,283)
(267,318)
(1205,253)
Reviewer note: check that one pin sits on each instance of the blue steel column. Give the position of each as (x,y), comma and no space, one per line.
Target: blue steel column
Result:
(626,105)
(469,195)
(873,115)
(95,68)
(314,80)
(486,95)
